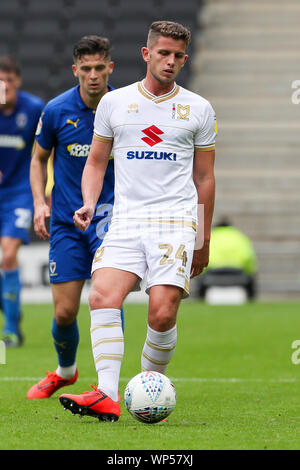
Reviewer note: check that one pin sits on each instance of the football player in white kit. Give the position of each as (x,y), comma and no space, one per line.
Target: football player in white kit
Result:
(163,140)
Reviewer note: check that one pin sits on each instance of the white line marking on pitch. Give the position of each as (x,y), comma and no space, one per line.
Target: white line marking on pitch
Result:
(175,379)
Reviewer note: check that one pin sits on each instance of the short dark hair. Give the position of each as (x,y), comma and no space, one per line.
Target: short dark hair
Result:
(10,64)
(168,29)
(93,44)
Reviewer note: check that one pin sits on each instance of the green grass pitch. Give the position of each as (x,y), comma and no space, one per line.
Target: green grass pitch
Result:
(237,387)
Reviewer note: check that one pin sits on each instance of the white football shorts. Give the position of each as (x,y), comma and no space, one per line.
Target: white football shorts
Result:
(163,255)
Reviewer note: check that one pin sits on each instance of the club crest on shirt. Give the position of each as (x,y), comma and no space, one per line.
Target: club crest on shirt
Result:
(181,112)
(21,120)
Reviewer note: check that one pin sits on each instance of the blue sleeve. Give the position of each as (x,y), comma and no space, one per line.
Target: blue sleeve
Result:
(45,133)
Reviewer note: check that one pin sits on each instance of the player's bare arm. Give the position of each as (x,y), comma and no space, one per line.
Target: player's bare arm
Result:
(203,175)
(92,182)
(38,179)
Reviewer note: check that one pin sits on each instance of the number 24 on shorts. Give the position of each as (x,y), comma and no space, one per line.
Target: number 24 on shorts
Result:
(180,254)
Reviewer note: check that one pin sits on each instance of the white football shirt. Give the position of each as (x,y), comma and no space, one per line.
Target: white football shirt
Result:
(154,138)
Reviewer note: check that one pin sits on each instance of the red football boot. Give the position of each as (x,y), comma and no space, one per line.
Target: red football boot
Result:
(95,404)
(47,386)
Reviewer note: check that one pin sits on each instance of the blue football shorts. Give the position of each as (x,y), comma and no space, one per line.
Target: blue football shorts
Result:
(16,211)
(71,252)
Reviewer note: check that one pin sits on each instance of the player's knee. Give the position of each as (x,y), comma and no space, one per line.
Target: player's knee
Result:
(64,316)
(95,299)
(163,315)
(163,319)
(9,260)
(101,298)
(163,323)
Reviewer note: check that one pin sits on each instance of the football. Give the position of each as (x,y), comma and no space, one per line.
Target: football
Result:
(150,397)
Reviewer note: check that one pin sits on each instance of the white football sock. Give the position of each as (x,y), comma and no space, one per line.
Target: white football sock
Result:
(158,349)
(108,348)
(66,372)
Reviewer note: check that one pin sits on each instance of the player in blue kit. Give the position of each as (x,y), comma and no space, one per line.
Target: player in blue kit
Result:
(19,115)
(66,125)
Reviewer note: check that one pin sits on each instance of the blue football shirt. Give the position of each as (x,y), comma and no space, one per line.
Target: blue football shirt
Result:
(67,125)
(17,132)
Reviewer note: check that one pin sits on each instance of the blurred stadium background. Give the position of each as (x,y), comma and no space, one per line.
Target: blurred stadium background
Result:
(244,58)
